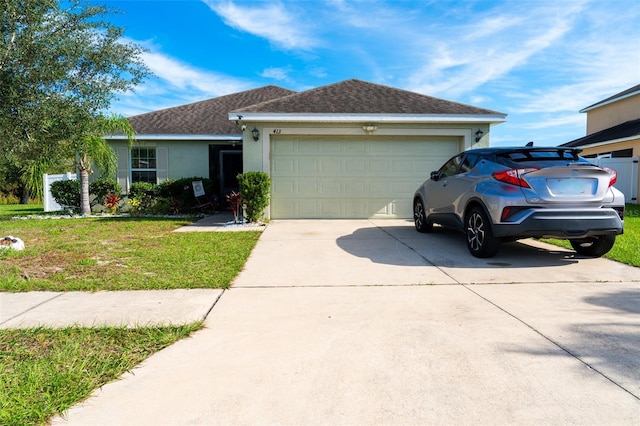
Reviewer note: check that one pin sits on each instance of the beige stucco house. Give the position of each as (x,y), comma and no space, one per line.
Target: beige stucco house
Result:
(352,149)
(613,132)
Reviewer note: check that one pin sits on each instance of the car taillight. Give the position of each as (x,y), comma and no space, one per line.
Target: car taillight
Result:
(512,176)
(613,176)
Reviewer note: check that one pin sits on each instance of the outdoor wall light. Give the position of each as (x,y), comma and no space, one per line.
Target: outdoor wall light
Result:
(256,134)
(369,128)
(479,134)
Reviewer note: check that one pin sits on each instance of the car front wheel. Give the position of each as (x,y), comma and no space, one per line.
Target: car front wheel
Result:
(594,246)
(480,239)
(420,218)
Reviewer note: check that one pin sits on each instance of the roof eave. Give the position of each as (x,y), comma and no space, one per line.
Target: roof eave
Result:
(374,118)
(609,101)
(177,137)
(608,142)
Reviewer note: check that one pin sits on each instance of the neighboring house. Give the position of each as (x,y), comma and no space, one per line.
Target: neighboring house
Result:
(347,150)
(613,132)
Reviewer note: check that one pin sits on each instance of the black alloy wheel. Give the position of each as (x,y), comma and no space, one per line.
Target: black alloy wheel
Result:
(420,218)
(480,240)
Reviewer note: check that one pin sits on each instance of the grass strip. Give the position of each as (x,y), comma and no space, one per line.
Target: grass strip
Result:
(43,372)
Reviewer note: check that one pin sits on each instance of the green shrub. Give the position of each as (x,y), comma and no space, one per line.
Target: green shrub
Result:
(66,193)
(102,187)
(142,197)
(178,194)
(6,199)
(168,197)
(142,188)
(254,188)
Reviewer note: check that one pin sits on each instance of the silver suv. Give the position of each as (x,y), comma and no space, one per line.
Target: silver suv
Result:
(504,194)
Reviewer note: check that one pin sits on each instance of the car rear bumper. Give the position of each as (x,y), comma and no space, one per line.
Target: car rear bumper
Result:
(560,223)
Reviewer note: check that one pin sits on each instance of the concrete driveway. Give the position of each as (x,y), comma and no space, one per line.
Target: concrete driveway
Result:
(368,322)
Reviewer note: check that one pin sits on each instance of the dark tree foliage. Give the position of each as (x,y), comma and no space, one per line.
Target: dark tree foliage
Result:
(61,65)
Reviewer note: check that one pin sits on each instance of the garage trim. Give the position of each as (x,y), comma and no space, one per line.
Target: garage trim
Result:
(269,131)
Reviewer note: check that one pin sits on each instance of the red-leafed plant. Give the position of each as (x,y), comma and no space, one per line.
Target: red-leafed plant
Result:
(235,202)
(112,202)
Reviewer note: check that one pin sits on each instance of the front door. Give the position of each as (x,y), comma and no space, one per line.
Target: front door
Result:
(230,167)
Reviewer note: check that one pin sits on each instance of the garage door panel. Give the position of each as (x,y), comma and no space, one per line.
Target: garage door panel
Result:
(308,207)
(356,165)
(379,166)
(343,177)
(403,188)
(329,188)
(282,188)
(308,186)
(284,147)
(403,167)
(380,187)
(355,188)
(356,147)
(308,166)
(329,147)
(331,166)
(283,166)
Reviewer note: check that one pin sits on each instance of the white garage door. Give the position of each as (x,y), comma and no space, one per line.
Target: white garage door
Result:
(352,177)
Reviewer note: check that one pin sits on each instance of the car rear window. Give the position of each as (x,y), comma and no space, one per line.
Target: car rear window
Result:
(541,155)
(539,158)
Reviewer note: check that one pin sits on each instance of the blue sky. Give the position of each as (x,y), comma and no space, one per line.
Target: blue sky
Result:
(540,61)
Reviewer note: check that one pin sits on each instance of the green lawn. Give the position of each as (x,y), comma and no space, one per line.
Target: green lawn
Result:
(43,371)
(119,254)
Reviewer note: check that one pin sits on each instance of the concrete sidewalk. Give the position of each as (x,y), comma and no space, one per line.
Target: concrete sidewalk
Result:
(102,308)
(220,222)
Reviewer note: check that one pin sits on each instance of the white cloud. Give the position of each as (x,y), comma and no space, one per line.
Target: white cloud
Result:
(489,49)
(174,83)
(182,76)
(588,67)
(281,74)
(557,121)
(271,21)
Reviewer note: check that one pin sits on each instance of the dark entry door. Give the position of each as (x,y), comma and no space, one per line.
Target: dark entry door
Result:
(230,167)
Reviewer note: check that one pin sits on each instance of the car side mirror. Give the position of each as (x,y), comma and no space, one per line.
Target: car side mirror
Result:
(434,175)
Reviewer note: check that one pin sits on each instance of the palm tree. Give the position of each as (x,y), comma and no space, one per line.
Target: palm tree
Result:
(92,148)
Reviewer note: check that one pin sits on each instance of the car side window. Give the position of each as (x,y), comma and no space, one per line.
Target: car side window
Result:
(470,160)
(450,168)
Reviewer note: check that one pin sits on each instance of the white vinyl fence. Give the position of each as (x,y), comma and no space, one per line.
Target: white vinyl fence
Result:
(627,168)
(50,204)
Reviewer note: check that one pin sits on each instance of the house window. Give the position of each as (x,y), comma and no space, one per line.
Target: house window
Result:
(144,165)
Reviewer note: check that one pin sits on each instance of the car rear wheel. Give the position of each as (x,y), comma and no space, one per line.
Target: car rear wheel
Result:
(594,246)
(420,218)
(480,239)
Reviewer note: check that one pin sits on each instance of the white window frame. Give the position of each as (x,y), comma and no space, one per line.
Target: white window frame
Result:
(147,169)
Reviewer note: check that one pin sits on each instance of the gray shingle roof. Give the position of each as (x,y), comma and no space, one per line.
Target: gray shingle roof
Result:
(210,117)
(360,97)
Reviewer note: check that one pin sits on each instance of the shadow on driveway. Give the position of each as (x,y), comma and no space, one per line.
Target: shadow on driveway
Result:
(446,248)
